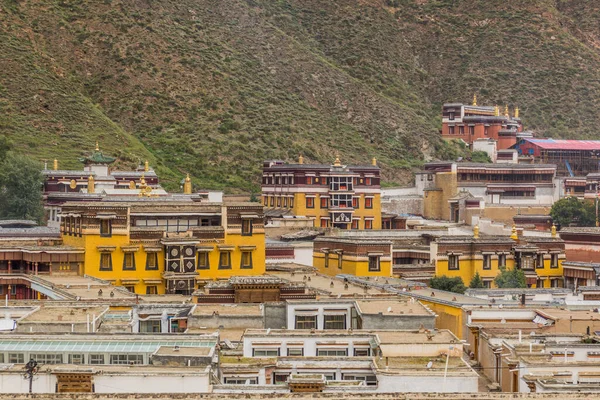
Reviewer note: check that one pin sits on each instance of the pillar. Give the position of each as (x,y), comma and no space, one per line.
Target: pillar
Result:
(8,291)
(9,268)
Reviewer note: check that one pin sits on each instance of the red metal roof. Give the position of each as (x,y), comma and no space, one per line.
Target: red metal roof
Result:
(559,144)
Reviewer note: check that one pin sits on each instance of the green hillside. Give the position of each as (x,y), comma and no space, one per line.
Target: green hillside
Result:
(214,87)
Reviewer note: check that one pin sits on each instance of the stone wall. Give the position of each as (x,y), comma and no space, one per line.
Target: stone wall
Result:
(275,315)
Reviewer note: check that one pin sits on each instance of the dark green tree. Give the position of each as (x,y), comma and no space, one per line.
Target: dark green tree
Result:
(572,211)
(480,157)
(443,282)
(510,278)
(476,282)
(20,188)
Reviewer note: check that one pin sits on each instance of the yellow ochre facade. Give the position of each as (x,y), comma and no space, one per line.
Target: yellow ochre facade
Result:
(158,247)
(358,257)
(345,197)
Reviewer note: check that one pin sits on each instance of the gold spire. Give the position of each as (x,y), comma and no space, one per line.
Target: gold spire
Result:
(97,147)
(476,232)
(374,162)
(300,159)
(146,166)
(513,234)
(55,164)
(496,111)
(337,162)
(506,111)
(474,99)
(142,181)
(553,230)
(517,112)
(91,184)
(187,186)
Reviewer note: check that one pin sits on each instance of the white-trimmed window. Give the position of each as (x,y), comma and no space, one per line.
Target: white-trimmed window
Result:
(453,262)
(76,359)
(327,352)
(362,351)
(265,352)
(306,322)
(96,359)
(126,359)
(334,321)
(295,351)
(48,358)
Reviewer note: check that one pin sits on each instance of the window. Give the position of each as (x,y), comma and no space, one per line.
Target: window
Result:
(105,262)
(126,359)
(340,259)
(487,261)
(341,201)
(76,359)
(461,130)
(451,130)
(332,352)
(539,262)
(368,202)
(326,254)
(324,223)
(310,202)
(453,261)
(151,290)
(96,359)
(285,201)
(278,201)
(105,228)
(354,224)
(44,358)
(451,116)
(130,288)
(374,264)
(341,183)
(295,351)
(368,224)
(486,130)
(553,261)
(265,352)
(362,352)
(224,260)
(291,202)
(266,201)
(151,261)
(306,322)
(334,321)
(13,290)
(355,202)
(502,260)
(324,202)
(280,379)
(487,284)
(16,358)
(240,381)
(309,180)
(246,227)
(471,130)
(246,260)
(129,261)
(203,260)
(152,326)
(368,181)
(272,201)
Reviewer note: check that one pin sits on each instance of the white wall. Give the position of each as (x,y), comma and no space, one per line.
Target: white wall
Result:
(435,383)
(310,343)
(321,308)
(111,383)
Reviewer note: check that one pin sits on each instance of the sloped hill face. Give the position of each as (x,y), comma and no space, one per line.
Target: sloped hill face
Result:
(214,87)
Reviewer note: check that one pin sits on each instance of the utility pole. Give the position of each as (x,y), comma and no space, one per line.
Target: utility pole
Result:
(31,368)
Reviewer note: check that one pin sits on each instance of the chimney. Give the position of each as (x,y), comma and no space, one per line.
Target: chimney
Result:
(523,299)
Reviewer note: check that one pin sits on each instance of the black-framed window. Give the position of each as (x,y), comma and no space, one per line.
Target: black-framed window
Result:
(539,261)
(246,227)
(306,322)
(295,351)
(553,260)
(152,289)
(324,202)
(340,259)
(266,352)
(225,260)
(105,228)
(203,260)
(246,260)
(334,321)
(374,263)
(326,256)
(105,261)
(152,261)
(453,262)
(487,261)
(310,202)
(129,261)
(502,260)
(362,352)
(368,202)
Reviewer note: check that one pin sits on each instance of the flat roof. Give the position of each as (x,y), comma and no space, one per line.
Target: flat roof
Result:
(322,283)
(63,314)
(182,351)
(392,307)
(228,309)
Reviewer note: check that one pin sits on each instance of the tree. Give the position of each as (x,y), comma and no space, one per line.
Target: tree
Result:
(476,282)
(572,211)
(443,282)
(480,157)
(510,278)
(20,188)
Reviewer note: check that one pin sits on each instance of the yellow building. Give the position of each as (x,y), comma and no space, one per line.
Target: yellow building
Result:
(154,246)
(464,256)
(345,197)
(359,257)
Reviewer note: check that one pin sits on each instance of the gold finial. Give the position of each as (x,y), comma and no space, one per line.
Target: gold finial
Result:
(374,162)
(146,166)
(506,111)
(143,181)
(300,159)
(131,184)
(474,99)
(337,161)
(476,232)
(187,185)
(517,112)
(553,230)
(97,147)
(55,164)
(496,111)
(513,234)
(91,185)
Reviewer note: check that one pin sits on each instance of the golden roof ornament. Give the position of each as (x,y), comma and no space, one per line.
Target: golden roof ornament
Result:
(374,162)
(496,111)
(513,234)
(476,232)
(146,166)
(91,184)
(55,164)
(187,185)
(553,230)
(300,159)
(506,111)
(517,112)
(97,147)
(474,99)
(337,162)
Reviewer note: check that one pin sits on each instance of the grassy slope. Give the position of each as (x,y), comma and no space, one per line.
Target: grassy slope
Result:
(215,87)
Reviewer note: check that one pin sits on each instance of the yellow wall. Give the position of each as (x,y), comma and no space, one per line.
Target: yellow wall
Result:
(435,202)
(449,317)
(469,266)
(351,265)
